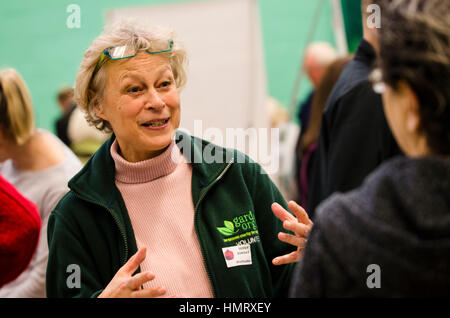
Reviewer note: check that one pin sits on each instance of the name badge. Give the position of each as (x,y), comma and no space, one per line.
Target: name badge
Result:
(237,255)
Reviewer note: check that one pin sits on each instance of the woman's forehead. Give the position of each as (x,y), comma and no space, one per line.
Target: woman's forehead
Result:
(141,63)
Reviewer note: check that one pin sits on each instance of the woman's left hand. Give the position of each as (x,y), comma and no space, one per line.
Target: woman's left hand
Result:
(300,224)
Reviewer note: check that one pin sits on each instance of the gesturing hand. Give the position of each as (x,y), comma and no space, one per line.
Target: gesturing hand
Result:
(300,225)
(124,285)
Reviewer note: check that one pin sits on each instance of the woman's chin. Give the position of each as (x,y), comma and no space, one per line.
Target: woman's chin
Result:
(159,142)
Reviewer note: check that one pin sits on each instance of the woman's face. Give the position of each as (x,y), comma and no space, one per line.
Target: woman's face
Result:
(142,105)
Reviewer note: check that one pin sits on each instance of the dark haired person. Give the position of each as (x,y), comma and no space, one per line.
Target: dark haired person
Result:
(391,236)
(67,106)
(354,137)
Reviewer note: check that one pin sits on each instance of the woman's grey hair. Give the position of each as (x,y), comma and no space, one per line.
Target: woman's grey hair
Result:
(131,32)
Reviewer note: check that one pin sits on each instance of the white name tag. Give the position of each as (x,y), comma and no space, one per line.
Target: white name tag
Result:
(237,255)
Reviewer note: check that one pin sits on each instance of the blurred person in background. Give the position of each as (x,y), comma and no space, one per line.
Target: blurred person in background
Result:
(85,139)
(73,129)
(38,164)
(354,136)
(398,221)
(308,142)
(288,134)
(67,106)
(318,56)
(150,208)
(20,225)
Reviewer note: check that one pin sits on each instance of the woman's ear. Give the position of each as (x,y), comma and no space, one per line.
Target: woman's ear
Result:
(97,106)
(412,109)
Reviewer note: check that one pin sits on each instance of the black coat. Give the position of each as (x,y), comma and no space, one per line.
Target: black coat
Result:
(399,220)
(355,137)
(62,125)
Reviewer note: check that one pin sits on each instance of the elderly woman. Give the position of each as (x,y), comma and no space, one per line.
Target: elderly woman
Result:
(390,237)
(38,164)
(196,229)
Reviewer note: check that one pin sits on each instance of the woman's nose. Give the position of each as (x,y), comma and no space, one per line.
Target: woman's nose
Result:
(154,101)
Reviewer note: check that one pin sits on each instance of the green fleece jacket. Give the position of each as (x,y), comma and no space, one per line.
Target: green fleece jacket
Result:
(90,234)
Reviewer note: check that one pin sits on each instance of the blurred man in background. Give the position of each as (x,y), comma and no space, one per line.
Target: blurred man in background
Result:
(308,142)
(67,106)
(73,129)
(318,56)
(355,137)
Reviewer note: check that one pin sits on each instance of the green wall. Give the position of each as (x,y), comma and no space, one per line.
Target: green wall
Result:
(351,10)
(35,40)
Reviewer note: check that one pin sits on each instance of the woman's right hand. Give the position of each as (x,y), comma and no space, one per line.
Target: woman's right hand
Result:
(124,285)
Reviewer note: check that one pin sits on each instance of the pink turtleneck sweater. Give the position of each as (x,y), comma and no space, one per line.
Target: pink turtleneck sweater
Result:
(158,196)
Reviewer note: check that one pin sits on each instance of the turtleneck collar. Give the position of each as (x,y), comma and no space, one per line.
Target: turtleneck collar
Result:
(147,170)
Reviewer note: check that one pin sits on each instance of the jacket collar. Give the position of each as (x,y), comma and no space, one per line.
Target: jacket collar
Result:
(365,53)
(96,180)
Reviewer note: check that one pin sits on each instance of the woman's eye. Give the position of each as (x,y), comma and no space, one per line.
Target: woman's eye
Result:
(133,89)
(165,83)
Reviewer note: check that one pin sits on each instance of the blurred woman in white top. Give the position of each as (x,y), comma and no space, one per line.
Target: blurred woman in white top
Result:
(38,164)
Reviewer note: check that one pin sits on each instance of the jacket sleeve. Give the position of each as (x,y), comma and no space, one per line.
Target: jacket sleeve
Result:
(322,272)
(307,279)
(70,270)
(264,193)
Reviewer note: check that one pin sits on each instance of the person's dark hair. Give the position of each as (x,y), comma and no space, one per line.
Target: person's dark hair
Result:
(415,48)
(323,91)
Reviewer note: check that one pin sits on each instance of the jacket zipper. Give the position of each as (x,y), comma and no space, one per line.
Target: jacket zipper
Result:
(123,236)
(195,221)
(203,194)
(115,220)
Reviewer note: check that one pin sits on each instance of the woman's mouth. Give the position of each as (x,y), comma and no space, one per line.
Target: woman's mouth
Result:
(156,124)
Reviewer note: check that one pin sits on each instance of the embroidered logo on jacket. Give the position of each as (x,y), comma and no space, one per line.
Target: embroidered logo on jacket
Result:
(240,227)
(228,230)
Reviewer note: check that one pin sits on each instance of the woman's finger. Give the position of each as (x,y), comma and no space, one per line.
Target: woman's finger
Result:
(292,239)
(299,229)
(281,213)
(300,213)
(286,259)
(140,279)
(149,292)
(133,263)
